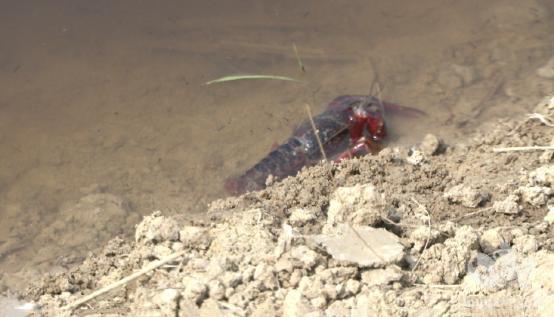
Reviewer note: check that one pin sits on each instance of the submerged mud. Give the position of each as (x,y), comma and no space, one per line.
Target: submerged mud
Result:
(446,228)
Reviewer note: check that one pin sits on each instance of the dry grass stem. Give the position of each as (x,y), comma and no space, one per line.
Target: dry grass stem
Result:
(300,64)
(428,237)
(471,214)
(316,132)
(523,148)
(542,118)
(123,281)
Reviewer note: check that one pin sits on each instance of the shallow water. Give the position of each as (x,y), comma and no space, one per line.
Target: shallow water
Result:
(104,115)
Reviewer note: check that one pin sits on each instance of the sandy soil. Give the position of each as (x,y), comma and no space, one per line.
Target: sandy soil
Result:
(427,230)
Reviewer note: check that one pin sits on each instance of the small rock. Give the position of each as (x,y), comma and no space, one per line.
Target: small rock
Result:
(540,282)
(195,237)
(423,235)
(491,241)
(359,205)
(210,308)
(430,145)
(311,287)
(468,196)
(295,278)
(363,246)
(199,264)
(337,309)
(447,262)
(534,195)
(352,287)
(169,296)
(305,256)
(157,228)
(416,157)
(296,305)
(319,302)
(195,290)
(160,251)
(378,277)
(216,289)
(543,176)
(265,309)
(231,279)
(526,244)
(508,206)
(300,216)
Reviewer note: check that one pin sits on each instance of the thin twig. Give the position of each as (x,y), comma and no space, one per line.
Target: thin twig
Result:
(446,286)
(123,281)
(471,214)
(316,132)
(523,148)
(428,237)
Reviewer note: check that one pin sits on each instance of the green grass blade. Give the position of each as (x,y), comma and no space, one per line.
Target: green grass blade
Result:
(243,77)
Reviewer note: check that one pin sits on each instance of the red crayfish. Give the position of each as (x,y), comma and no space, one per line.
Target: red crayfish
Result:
(351,126)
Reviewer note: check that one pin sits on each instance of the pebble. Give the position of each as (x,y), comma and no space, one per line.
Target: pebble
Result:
(157,228)
(534,195)
(508,206)
(301,216)
(377,277)
(491,240)
(195,290)
(304,255)
(196,237)
(416,157)
(526,244)
(216,289)
(542,176)
(430,145)
(468,196)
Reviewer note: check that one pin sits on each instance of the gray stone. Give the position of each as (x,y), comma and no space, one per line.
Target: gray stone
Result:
(492,240)
(362,246)
(534,195)
(468,196)
(430,145)
(378,277)
(359,205)
(157,228)
(507,206)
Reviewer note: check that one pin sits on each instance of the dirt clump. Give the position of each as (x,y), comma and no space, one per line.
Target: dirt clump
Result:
(436,229)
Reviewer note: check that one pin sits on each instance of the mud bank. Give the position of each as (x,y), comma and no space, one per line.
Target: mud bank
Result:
(435,229)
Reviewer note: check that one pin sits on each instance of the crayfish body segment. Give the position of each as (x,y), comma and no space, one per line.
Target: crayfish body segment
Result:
(351,126)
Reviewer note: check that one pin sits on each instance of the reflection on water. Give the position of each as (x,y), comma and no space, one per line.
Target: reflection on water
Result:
(104,116)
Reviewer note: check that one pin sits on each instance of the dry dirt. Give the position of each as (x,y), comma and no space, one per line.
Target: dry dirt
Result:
(430,230)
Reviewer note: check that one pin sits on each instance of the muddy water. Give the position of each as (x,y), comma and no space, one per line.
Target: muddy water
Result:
(104,116)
